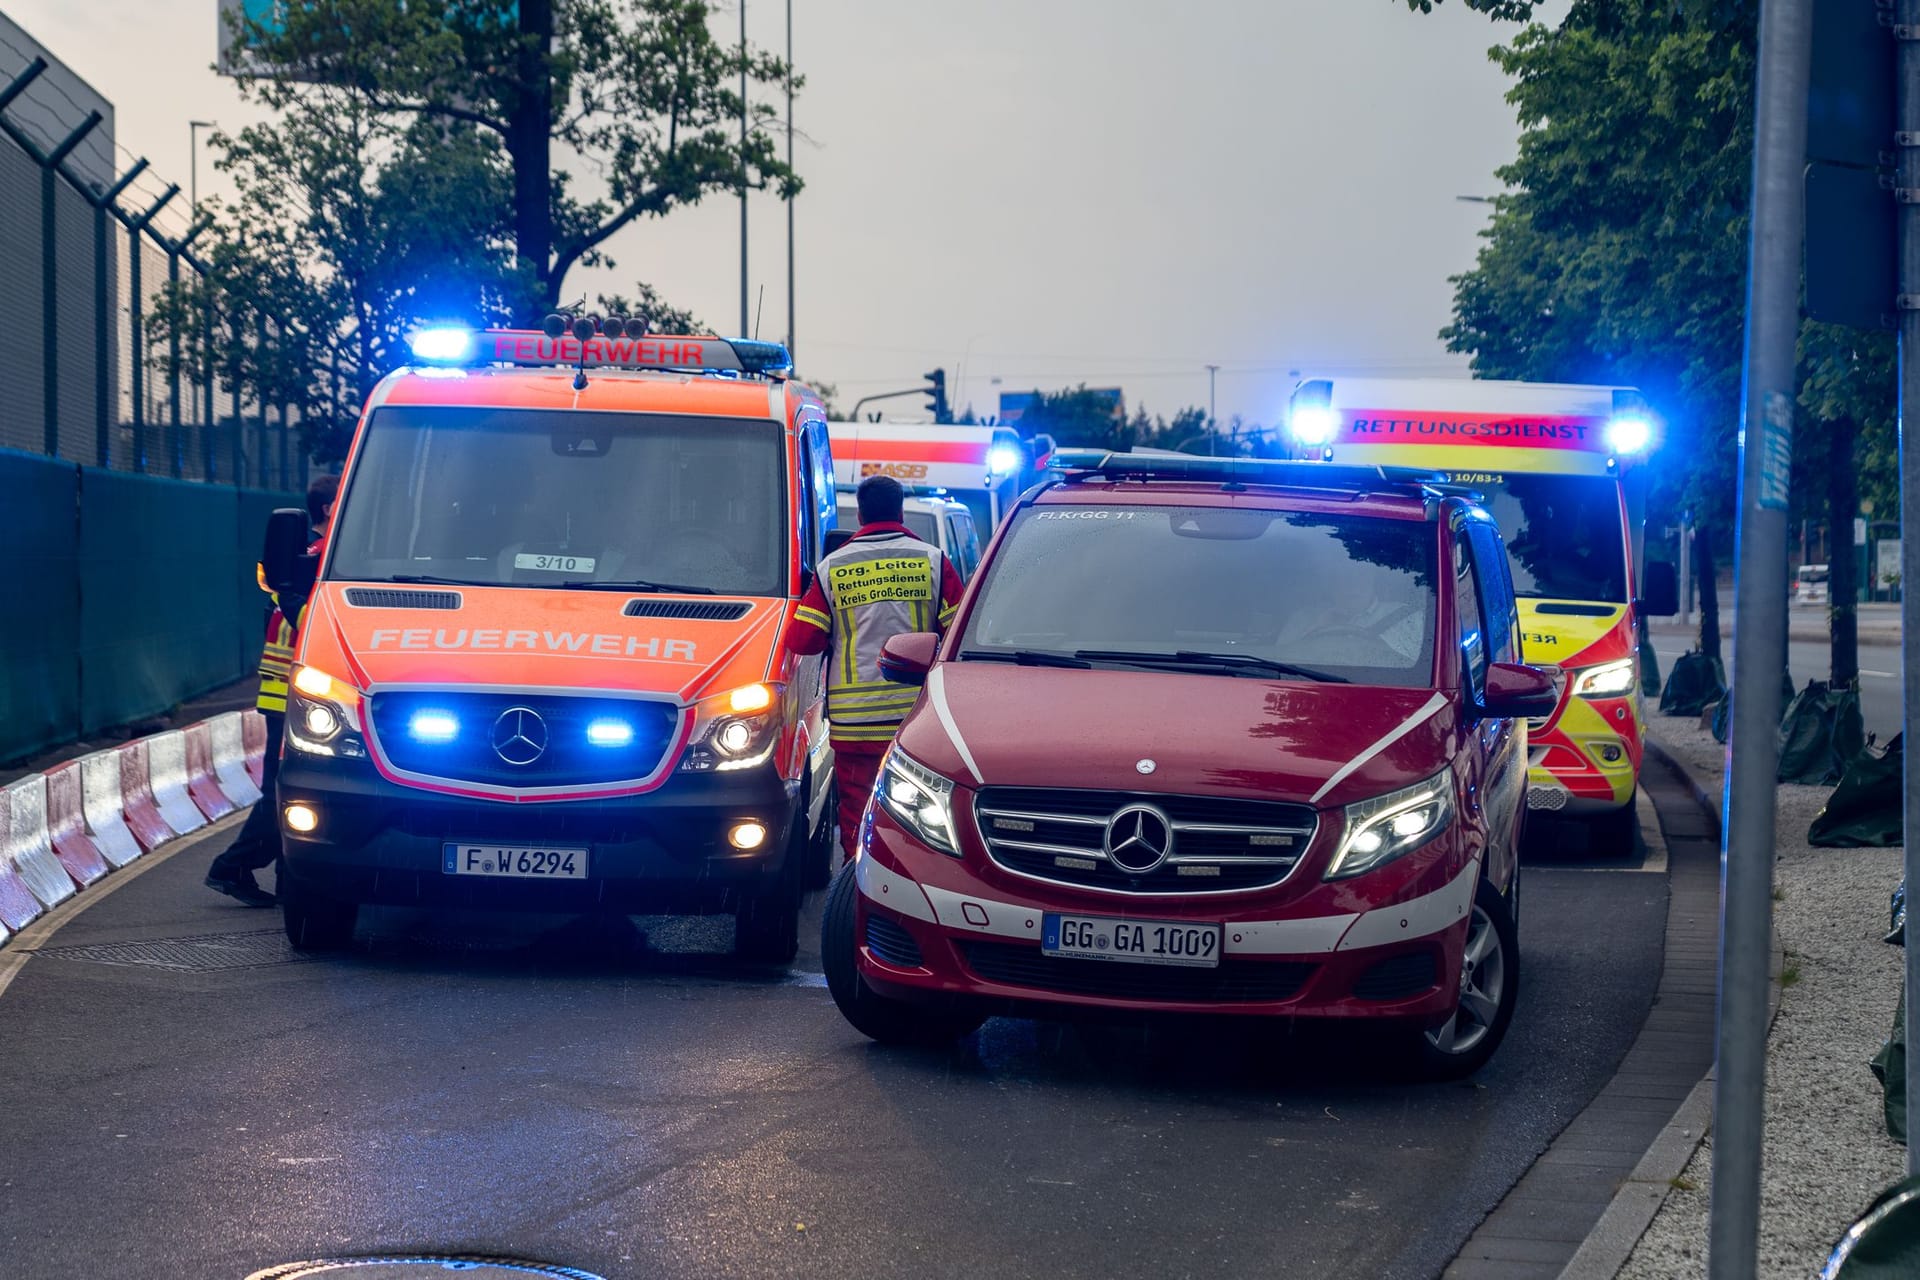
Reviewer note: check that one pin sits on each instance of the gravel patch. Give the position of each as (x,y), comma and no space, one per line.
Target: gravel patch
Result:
(1826,1151)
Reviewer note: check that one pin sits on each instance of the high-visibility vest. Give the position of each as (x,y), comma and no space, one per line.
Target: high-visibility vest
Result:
(878,586)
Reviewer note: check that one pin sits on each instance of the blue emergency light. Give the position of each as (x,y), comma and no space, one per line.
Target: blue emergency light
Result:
(1629,433)
(609,732)
(1313,424)
(437,727)
(441,344)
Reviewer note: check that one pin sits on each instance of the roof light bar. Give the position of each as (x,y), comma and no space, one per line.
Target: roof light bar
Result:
(531,348)
(1260,471)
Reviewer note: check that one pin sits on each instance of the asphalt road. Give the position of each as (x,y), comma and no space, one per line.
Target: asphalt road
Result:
(476,1086)
(1812,660)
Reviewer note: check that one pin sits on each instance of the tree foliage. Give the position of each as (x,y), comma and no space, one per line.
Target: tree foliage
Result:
(403,176)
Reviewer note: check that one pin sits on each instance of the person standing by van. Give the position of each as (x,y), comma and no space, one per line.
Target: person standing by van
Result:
(883,582)
(257,843)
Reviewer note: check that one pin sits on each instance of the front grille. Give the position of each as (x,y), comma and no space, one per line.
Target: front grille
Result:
(387,598)
(893,944)
(568,758)
(1218,844)
(1243,981)
(1398,977)
(692,610)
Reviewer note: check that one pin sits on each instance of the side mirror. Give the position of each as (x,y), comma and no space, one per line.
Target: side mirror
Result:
(1660,589)
(288,568)
(906,659)
(1514,692)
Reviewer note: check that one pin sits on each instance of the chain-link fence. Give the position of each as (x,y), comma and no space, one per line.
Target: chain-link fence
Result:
(88,372)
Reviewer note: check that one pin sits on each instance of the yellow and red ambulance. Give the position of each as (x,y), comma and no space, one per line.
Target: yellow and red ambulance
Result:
(983,467)
(1561,469)
(541,668)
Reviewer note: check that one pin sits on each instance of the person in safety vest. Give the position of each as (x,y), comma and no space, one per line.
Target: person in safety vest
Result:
(258,842)
(881,583)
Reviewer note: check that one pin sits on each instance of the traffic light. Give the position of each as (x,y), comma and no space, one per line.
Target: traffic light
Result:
(937,395)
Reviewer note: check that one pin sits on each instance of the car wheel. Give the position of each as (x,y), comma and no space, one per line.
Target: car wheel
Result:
(826,839)
(314,922)
(1612,834)
(874,1015)
(1489,988)
(766,928)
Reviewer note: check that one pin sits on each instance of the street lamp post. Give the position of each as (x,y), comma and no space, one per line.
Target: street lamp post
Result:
(193,152)
(789,167)
(1212,419)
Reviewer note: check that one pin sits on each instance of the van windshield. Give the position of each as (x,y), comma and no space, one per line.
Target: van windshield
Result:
(1566,535)
(1222,590)
(505,497)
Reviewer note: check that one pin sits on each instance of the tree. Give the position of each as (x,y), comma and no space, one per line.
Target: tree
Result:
(1077,418)
(641,88)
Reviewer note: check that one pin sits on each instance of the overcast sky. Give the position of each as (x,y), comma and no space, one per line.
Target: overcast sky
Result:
(1038,192)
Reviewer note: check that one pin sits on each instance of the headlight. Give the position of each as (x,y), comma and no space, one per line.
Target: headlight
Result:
(1609,680)
(323,715)
(735,730)
(919,799)
(1387,827)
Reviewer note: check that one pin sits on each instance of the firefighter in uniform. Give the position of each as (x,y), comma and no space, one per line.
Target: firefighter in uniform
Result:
(258,842)
(882,583)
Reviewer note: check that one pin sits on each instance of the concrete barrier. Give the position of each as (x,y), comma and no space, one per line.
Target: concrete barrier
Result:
(18,907)
(137,806)
(67,825)
(203,787)
(28,847)
(167,776)
(100,798)
(230,758)
(253,732)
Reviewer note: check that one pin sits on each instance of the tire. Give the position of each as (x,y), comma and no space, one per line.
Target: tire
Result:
(874,1015)
(825,842)
(766,928)
(313,922)
(1458,1049)
(1613,834)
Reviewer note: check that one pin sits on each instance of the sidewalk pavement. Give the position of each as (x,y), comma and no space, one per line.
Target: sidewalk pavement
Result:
(1879,624)
(1826,1151)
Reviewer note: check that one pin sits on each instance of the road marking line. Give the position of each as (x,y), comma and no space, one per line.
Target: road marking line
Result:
(14,956)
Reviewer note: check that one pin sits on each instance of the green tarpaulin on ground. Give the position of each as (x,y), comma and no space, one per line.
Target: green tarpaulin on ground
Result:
(1697,681)
(1864,811)
(1821,733)
(1885,1243)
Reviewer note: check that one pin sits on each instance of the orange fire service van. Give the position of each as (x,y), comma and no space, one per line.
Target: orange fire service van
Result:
(541,665)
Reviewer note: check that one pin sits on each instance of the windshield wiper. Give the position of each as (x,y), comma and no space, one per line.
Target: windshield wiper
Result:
(1024,657)
(655,588)
(427,579)
(1194,658)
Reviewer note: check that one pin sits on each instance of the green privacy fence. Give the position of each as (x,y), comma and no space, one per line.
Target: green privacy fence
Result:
(122,595)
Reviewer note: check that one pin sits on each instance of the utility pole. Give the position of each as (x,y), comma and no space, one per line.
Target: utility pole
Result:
(743,168)
(1907,141)
(1760,603)
(789,167)
(1212,370)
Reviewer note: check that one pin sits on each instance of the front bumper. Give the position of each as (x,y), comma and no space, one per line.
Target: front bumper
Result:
(663,851)
(1586,758)
(931,928)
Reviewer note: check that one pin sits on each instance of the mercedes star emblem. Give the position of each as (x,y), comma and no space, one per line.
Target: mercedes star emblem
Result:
(519,736)
(1139,838)
(1146,766)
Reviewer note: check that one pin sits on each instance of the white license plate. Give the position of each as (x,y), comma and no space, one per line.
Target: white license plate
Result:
(1136,941)
(515,861)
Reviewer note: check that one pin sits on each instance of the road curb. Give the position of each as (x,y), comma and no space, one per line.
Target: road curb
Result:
(1613,1239)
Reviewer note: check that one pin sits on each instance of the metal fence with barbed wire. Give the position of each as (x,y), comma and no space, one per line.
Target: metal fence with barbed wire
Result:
(91,244)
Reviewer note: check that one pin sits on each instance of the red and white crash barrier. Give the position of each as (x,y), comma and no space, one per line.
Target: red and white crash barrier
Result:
(66,829)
